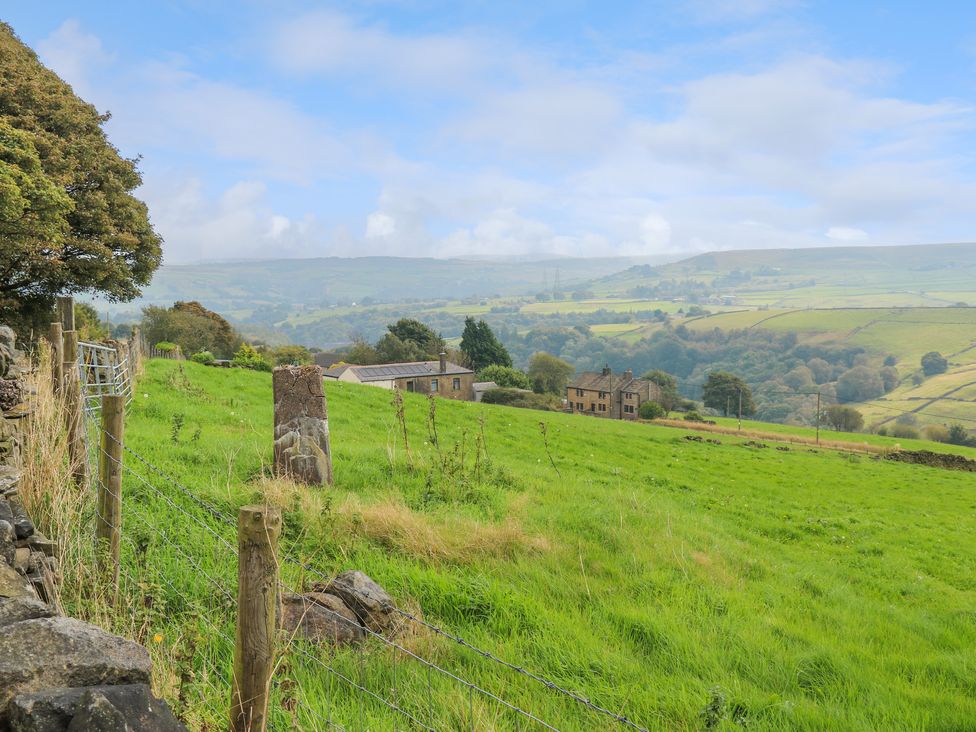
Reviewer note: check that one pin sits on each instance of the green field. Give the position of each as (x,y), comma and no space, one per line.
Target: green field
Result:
(685,584)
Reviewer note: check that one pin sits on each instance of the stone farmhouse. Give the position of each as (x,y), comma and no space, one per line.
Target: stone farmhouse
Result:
(442,378)
(605,394)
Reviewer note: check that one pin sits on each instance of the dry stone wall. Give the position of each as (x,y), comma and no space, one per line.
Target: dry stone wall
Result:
(57,674)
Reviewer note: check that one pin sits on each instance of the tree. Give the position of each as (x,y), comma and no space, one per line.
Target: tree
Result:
(68,220)
(859,384)
(934,363)
(361,353)
(291,356)
(722,391)
(428,343)
(504,376)
(247,357)
(89,326)
(191,326)
(392,349)
(667,384)
(889,377)
(843,418)
(549,374)
(959,436)
(482,347)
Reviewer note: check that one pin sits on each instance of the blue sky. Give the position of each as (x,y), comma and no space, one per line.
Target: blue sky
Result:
(421,128)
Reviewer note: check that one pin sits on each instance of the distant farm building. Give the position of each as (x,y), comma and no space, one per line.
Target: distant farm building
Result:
(610,395)
(441,378)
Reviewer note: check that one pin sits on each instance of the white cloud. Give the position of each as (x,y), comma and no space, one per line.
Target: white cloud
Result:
(74,54)
(380,225)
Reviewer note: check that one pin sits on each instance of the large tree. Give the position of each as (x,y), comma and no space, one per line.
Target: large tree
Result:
(481,345)
(68,220)
(427,341)
(723,391)
(548,374)
(192,327)
(667,385)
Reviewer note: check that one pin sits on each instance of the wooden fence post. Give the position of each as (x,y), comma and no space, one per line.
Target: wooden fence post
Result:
(135,351)
(258,528)
(108,502)
(66,312)
(74,421)
(56,337)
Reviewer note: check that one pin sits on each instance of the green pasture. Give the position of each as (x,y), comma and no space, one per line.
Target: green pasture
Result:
(684,584)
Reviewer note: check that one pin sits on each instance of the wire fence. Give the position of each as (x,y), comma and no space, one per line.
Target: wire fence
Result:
(324,689)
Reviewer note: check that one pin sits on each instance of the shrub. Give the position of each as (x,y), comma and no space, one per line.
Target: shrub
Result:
(651,410)
(204,357)
(166,347)
(904,432)
(694,417)
(247,358)
(523,399)
(936,432)
(959,436)
(883,431)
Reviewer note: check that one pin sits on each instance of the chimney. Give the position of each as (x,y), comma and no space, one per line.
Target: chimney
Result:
(606,370)
(443,361)
(629,374)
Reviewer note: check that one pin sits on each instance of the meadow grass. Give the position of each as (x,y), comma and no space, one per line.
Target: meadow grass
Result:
(688,585)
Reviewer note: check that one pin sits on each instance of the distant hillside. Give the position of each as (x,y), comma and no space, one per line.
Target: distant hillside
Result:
(244,285)
(895,276)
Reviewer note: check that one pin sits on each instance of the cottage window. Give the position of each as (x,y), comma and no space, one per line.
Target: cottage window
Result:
(433,384)
(603,407)
(628,408)
(579,392)
(457,385)
(579,406)
(592,407)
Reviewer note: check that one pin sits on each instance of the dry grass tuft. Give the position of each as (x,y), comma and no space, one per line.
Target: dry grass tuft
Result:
(393,524)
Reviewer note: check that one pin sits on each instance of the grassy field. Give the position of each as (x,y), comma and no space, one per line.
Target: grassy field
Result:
(688,585)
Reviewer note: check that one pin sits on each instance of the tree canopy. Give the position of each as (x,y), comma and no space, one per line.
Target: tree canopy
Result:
(68,221)
(667,384)
(192,327)
(843,418)
(504,376)
(549,374)
(723,391)
(481,345)
(934,363)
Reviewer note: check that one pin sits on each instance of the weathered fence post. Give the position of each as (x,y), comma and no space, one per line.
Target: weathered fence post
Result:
(135,351)
(108,502)
(66,312)
(56,336)
(258,528)
(301,425)
(74,422)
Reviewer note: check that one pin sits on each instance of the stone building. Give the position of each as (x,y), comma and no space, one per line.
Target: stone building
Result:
(606,394)
(443,378)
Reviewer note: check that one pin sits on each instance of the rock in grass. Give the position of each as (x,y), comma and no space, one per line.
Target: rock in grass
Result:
(371,603)
(98,707)
(64,652)
(320,618)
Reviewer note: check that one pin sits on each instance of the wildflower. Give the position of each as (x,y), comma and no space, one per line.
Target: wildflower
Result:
(146,396)
(157,638)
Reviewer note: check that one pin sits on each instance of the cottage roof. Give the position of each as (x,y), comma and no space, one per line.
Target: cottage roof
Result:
(336,371)
(387,371)
(597,381)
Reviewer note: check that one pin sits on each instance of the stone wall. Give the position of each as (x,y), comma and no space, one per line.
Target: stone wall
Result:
(57,674)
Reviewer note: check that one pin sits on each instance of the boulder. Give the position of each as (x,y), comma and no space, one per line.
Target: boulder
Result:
(15,609)
(13,584)
(371,603)
(320,618)
(23,525)
(50,652)
(98,707)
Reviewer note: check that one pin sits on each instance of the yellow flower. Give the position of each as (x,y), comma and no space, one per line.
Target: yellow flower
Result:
(157,638)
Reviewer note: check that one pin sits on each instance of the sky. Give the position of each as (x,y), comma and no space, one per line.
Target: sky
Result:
(421,128)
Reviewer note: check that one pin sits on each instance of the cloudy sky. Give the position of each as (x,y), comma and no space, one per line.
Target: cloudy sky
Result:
(415,127)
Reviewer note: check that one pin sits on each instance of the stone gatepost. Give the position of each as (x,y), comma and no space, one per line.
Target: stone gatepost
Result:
(301,425)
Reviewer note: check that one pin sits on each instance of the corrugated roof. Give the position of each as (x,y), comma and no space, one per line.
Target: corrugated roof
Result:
(387,371)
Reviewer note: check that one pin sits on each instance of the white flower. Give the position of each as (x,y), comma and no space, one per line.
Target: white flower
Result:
(146,396)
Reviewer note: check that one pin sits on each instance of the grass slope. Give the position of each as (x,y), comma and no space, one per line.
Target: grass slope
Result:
(688,585)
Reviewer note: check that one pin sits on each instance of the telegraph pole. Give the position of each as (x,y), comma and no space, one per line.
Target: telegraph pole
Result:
(740,410)
(818,417)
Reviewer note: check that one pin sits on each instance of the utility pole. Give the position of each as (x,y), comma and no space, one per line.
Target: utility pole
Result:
(818,417)
(740,410)
(728,403)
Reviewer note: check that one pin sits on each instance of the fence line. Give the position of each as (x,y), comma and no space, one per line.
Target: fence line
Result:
(165,487)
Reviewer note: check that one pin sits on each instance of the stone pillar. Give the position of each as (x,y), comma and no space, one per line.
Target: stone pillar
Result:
(301,425)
